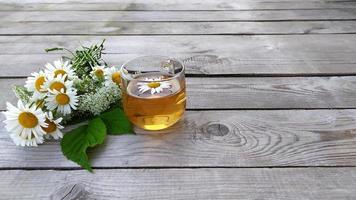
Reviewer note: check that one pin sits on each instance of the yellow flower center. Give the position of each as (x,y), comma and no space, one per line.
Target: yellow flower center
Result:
(59,72)
(39,82)
(57,86)
(51,126)
(116,77)
(153,84)
(62,99)
(99,73)
(28,120)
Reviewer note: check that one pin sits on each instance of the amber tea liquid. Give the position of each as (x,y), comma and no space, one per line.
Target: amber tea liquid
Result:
(154,111)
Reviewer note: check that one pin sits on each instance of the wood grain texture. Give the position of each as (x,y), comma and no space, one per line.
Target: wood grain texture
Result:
(177,28)
(253,93)
(152,16)
(14,5)
(267,55)
(214,139)
(220,154)
(200,184)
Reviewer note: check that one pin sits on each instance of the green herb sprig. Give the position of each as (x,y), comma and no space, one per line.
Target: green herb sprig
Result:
(84,58)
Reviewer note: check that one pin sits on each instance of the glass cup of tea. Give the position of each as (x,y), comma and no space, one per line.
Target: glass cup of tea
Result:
(154,96)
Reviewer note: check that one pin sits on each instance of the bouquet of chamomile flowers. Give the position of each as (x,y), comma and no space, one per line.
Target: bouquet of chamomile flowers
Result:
(69,90)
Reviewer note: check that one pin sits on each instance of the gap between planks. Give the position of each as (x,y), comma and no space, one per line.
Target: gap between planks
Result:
(173,167)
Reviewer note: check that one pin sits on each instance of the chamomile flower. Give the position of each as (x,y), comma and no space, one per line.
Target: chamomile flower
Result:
(57,83)
(98,72)
(35,83)
(24,123)
(63,101)
(153,85)
(60,68)
(53,128)
(112,74)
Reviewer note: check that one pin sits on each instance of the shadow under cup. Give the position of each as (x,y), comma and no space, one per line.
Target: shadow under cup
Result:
(154,95)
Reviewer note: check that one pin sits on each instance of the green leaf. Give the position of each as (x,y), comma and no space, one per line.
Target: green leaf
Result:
(75,143)
(116,122)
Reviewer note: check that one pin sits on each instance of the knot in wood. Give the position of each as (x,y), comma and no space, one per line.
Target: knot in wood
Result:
(70,192)
(217,129)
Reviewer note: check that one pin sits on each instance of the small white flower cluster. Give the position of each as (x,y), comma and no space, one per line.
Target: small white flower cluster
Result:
(100,100)
(52,97)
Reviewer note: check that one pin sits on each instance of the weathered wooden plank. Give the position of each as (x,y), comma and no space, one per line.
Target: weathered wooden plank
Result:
(151,16)
(174,5)
(253,93)
(160,1)
(215,138)
(309,183)
(268,54)
(176,28)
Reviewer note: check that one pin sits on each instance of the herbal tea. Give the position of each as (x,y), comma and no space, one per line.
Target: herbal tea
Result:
(154,101)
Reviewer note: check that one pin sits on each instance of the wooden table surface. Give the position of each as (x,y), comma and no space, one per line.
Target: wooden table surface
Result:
(271,110)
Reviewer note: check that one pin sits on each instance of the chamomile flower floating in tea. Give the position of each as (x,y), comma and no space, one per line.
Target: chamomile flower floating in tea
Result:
(153,85)
(112,74)
(53,127)
(35,83)
(98,72)
(60,68)
(62,101)
(25,123)
(57,83)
